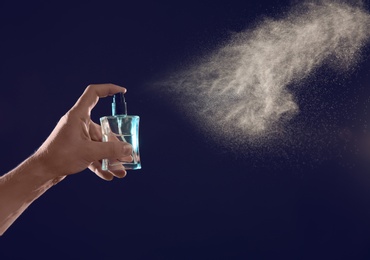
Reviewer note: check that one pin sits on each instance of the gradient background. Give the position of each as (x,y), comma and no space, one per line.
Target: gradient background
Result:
(191,200)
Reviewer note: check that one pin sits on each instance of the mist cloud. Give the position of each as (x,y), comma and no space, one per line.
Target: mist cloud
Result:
(241,89)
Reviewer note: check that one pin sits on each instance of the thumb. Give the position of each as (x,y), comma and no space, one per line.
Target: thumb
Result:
(105,150)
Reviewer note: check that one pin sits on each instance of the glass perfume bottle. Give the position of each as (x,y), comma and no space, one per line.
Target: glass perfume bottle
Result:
(124,128)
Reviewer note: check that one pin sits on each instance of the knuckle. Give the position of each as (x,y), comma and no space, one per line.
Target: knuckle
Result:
(71,116)
(120,149)
(127,149)
(90,88)
(116,149)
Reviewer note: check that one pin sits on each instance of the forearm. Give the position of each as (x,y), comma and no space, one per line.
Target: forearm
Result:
(20,187)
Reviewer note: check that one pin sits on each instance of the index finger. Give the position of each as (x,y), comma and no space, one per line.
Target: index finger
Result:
(91,96)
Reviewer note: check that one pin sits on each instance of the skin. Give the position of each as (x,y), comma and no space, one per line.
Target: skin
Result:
(74,145)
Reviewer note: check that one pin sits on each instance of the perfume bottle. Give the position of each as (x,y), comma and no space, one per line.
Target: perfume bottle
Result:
(124,128)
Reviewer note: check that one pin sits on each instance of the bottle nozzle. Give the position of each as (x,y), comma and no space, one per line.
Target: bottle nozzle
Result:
(119,106)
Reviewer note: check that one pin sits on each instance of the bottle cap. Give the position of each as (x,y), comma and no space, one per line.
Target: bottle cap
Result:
(119,106)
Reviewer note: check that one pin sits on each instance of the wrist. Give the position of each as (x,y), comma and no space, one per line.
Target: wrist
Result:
(38,172)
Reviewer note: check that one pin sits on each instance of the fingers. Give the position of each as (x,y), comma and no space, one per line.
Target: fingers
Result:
(126,159)
(95,131)
(95,167)
(91,95)
(116,171)
(99,150)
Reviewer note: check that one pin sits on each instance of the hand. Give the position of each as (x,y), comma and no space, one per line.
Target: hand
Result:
(76,142)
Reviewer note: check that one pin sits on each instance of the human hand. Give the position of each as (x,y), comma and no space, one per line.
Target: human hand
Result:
(75,143)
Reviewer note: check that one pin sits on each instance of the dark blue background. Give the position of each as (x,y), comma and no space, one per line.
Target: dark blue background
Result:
(191,200)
